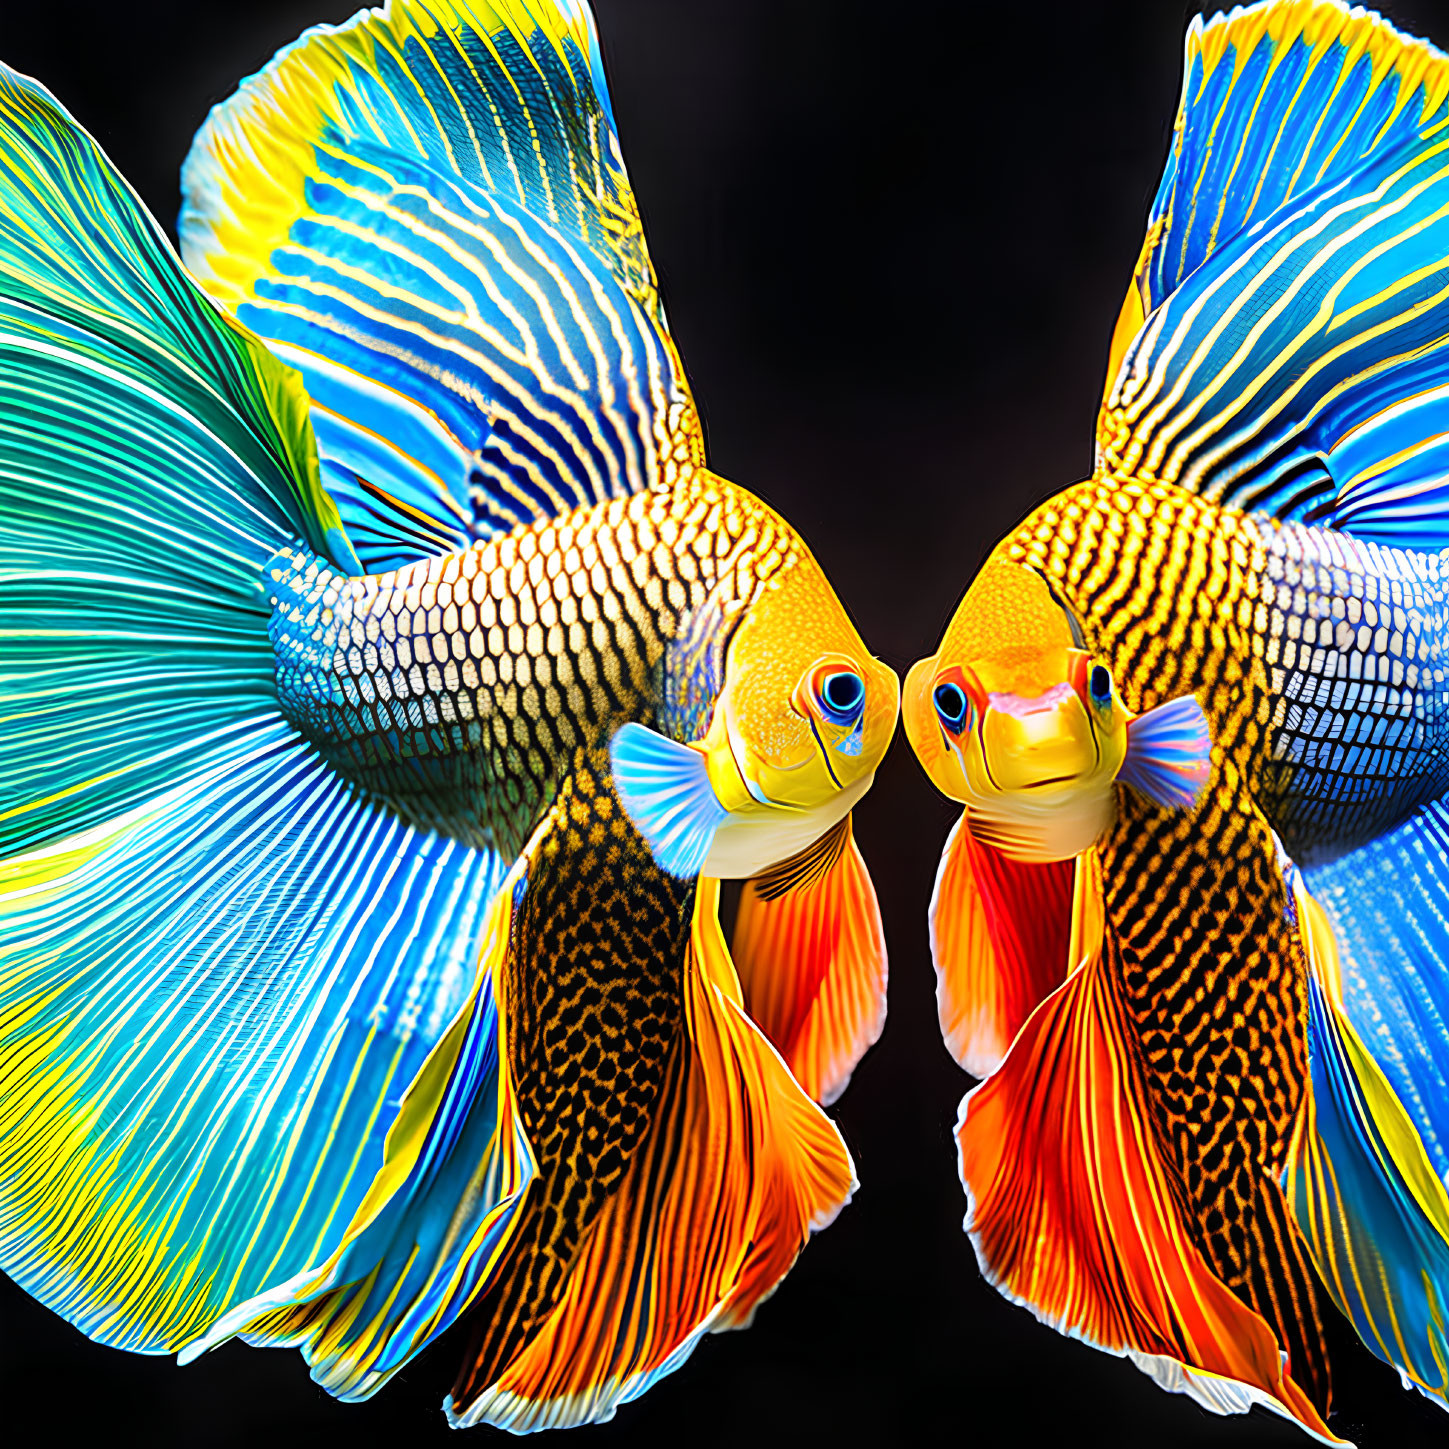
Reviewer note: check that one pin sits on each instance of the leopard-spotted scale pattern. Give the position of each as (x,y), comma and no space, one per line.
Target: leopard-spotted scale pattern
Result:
(595,999)
(1179,596)
(456,689)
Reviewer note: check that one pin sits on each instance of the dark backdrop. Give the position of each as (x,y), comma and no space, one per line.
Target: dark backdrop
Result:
(892,250)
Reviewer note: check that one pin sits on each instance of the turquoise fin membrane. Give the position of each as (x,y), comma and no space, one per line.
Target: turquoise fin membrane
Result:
(248,1047)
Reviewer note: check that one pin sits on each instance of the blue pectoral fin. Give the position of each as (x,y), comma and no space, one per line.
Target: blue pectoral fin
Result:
(1169,754)
(665,790)
(1360,1184)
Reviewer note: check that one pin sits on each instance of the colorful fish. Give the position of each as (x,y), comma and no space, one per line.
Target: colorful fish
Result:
(1191,928)
(385,686)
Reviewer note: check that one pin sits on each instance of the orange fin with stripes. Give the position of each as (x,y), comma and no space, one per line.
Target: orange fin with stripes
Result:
(739,1168)
(1081,1226)
(811,956)
(1000,933)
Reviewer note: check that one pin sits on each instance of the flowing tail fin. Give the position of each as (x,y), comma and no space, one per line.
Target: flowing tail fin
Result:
(153,456)
(246,1051)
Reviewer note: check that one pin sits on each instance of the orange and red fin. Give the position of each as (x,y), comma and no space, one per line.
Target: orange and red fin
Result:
(1000,932)
(811,956)
(1081,1225)
(739,1168)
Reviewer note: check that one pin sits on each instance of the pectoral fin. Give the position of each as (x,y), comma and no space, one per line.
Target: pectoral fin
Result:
(1169,754)
(665,790)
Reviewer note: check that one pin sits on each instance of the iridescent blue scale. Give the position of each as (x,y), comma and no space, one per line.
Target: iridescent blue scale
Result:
(1354,643)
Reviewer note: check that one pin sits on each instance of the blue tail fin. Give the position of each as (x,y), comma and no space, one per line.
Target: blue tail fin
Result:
(250,1052)
(1363,1180)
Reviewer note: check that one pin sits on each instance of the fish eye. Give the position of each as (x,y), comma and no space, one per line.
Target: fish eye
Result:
(1099,686)
(951,703)
(842,696)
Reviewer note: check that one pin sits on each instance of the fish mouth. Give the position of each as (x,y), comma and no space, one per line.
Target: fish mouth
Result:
(1044,784)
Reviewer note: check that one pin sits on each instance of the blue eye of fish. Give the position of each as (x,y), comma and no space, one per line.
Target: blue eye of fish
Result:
(1099,685)
(951,706)
(842,697)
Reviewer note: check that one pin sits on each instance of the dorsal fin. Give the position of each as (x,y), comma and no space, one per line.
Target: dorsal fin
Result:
(1276,98)
(426,210)
(1302,369)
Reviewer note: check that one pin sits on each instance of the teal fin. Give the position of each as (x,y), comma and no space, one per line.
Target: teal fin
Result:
(1169,754)
(665,790)
(1366,1197)
(244,1037)
(153,456)
(1289,347)
(425,210)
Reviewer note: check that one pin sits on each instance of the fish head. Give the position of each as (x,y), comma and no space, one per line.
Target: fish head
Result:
(805,716)
(1013,717)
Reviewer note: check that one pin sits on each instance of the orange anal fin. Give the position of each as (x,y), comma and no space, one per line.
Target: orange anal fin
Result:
(1072,1215)
(1000,931)
(812,964)
(739,1168)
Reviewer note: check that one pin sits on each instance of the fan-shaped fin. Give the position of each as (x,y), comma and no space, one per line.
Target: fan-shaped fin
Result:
(153,456)
(1082,1226)
(1276,98)
(431,198)
(1000,937)
(738,1169)
(209,1011)
(1302,369)
(1361,1186)
(436,1218)
(811,955)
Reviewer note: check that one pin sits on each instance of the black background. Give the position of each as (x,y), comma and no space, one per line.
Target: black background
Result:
(893,241)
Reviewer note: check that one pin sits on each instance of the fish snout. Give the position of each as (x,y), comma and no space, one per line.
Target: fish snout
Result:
(1032,742)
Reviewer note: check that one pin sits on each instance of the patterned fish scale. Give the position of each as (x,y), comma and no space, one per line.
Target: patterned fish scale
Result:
(457,688)
(1300,645)
(1353,640)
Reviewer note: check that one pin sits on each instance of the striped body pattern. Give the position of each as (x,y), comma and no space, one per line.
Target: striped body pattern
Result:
(1216,676)
(375,633)
(457,688)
